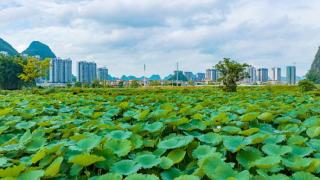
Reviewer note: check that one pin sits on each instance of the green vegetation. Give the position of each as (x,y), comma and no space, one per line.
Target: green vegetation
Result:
(231,72)
(10,69)
(33,69)
(168,133)
(16,72)
(306,85)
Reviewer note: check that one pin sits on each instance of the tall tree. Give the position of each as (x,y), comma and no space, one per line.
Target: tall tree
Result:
(231,72)
(33,68)
(9,72)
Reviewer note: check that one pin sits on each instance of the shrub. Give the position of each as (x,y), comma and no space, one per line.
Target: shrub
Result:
(306,85)
(78,84)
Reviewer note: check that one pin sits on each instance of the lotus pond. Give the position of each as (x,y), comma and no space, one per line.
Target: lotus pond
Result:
(178,133)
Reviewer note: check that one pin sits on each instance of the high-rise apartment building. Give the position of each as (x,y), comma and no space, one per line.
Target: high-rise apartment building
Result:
(60,70)
(276,74)
(291,75)
(87,72)
(252,72)
(189,76)
(201,76)
(211,75)
(102,74)
(263,75)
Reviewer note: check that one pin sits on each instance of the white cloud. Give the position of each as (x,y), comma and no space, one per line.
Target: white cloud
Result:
(124,34)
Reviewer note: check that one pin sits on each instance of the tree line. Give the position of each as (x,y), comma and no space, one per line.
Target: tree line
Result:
(17,72)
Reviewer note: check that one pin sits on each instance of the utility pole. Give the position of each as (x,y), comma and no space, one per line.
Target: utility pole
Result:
(144,75)
(177,75)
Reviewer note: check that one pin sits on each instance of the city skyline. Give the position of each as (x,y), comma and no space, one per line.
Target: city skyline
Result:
(158,33)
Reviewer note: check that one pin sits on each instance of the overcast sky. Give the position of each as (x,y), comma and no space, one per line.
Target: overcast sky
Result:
(124,34)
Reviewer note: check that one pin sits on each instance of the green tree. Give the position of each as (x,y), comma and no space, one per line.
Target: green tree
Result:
(306,85)
(33,69)
(231,72)
(96,84)
(9,72)
(155,83)
(134,84)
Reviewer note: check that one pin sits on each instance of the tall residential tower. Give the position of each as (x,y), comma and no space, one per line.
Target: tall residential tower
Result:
(60,70)
(87,72)
(291,75)
(276,74)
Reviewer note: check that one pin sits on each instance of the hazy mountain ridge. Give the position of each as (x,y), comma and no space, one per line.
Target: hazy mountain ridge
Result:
(37,48)
(6,47)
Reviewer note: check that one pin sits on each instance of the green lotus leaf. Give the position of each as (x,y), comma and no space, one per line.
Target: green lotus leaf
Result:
(108,176)
(231,129)
(203,151)
(166,163)
(301,151)
(313,132)
(3,129)
(297,163)
(5,111)
(248,155)
(187,177)
(171,174)
(276,150)
(313,121)
(267,162)
(137,141)
(147,160)
(176,121)
(297,140)
(249,117)
(125,167)
(210,138)
(118,147)
(193,125)
(85,159)
(159,114)
(304,176)
(215,168)
(274,177)
(88,112)
(278,177)
(13,171)
(75,169)
(25,125)
(314,167)
(267,116)
(153,127)
(12,147)
(36,143)
(175,142)
(314,144)
(256,138)
(142,116)
(176,155)
(25,138)
(89,143)
(31,175)
(142,177)
(250,131)
(234,143)
(282,120)
(120,134)
(278,138)
(54,168)
(4,162)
